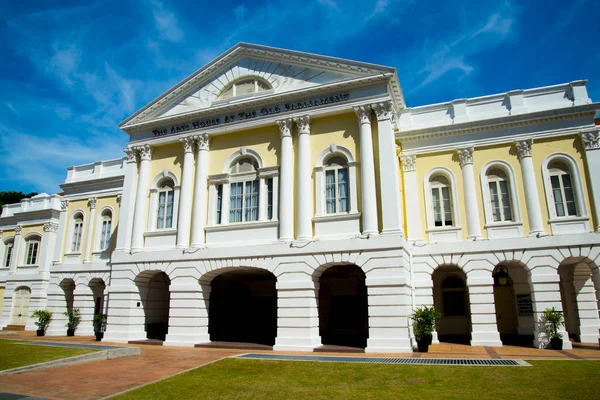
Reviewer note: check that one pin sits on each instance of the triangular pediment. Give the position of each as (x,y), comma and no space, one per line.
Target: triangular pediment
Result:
(283,71)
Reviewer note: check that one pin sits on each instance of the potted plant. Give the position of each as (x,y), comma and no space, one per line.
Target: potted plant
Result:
(424,323)
(99,326)
(73,320)
(43,320)
(553,320)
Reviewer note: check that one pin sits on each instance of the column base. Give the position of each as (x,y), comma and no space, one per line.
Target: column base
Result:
(538,234)
(135,250)
(367,234)
(297,344)
(304,239)
(490,343)
(381,345)
(286,240)
(392,232)
(475,238)
(175,340)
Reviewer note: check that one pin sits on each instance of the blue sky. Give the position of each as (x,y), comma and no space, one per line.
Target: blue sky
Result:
(72,70)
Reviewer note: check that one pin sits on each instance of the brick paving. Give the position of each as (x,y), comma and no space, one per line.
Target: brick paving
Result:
(94,380)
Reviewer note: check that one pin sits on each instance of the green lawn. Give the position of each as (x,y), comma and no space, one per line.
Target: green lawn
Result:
(16,354)
(252,379)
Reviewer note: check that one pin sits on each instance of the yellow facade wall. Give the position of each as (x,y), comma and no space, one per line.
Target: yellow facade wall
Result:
(27,230)
(104,203)
(75,205)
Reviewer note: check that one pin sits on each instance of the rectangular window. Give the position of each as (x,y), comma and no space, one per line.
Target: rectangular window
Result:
(251,201)
(269,198)
(569,197)
(219,202)
(342,190)
(160,219)
(77,230)
(442,211)
(243,201)
(7,257)
(504,196)
(330,191)
(236,202)
(32,251)
(105,238)
(169,216)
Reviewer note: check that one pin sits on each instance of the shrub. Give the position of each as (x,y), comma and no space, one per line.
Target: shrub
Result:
(99,323)
(553,320)
(43,319)
(424,321)
(73,318)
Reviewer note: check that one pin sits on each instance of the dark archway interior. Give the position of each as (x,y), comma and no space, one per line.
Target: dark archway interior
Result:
(343,307)
(243,307)
(155,298)
(451,300)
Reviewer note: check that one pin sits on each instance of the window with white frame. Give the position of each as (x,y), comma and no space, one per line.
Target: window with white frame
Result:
(500,195)
(441,201)
(8,251)
(105,229)
(336,185)
(563,193)
(243,191)
(77,233)
(166,200)
(32,249)
(244,86)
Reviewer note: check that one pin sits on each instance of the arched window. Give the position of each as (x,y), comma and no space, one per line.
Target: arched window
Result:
(243,190)
(563,194)
(454,296)
(77,232)
(32,249)
(105,229)
(244,86)
(166,200)
(441,201)
(336,185)
(500,196)
(8,252)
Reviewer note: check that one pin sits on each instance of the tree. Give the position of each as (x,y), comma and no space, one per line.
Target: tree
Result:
(12,197)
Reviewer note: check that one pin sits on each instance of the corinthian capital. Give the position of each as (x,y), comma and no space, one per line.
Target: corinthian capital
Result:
(364,114)
(129,154)
(591,139)
(524,148)
(188,144)
(18,229)
(383,110)
(144,151)
(92,202)
(285,127)
(303,124)
(64,204)
(50,227)
(465,156)
(408,162)
(203,141)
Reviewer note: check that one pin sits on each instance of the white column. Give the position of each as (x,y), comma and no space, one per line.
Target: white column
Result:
(466,164)
(390,305)
(48,246)
(60,234)
(297,315)
(591,143)
(57,305)
(587,305)
(389,174)
(14,258)
(545,293)
(304,190)
(225,202)
(286,185)
(83,298)
(484,328)
(188,313)
(140,214)
(199,216)
(532,199)
(127,204)
(89,241)
(185,197)
(411,196)
(367,172)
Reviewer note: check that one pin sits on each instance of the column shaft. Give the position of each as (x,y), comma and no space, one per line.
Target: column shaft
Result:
(185,199)
(60,235)
(14,258)
(466,164)
(126,210)
(591,143)
(48,246)
(304,190)
(141,199)
(89,240)
(532,199)
(199,216)
(286,184)
(83,298)
(411,196)
(262,199)
(367,172)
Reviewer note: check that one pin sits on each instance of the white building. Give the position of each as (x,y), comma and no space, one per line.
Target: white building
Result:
(293,200)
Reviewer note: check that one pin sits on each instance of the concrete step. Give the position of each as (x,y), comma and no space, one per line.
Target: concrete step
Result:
(14,328)
(331,348)
(234,345)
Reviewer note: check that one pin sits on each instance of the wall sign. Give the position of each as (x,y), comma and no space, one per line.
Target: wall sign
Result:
(524,305)
(242,116)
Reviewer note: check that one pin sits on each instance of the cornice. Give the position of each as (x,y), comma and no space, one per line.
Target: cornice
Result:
(203,75)
(208,113)
(116,181)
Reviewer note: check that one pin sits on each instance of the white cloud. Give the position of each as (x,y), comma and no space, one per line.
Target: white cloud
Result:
(166,23)
(240,12)
(64,62)
(380,6)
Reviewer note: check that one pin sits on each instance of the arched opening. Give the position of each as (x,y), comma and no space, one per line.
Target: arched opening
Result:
(243,307)
(68,287)
(579,301)
(343,307)
(155,296)
(20,307)
(97,286)
(514,308)
(450,298)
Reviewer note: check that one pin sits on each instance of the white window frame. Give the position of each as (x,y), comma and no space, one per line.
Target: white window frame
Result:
(236,82)
(100,227)
(501,229)
(9,242)
(28,240)
(442,233)
(154,193)
(579,223)
(320,181)
(69,244)
(243,178)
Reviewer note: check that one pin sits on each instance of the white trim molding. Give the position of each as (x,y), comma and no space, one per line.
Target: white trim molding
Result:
(442,233)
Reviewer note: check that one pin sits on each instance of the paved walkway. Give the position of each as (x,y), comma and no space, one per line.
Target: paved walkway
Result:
(99,379)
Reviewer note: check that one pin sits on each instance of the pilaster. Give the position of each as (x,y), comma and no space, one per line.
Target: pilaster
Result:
(128,199)
(411,197)
(141,199)
(591,144)
(484,328)
(89,241)
(199,214)
(532,199)
(60,235)
(465,156)
(188,313)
